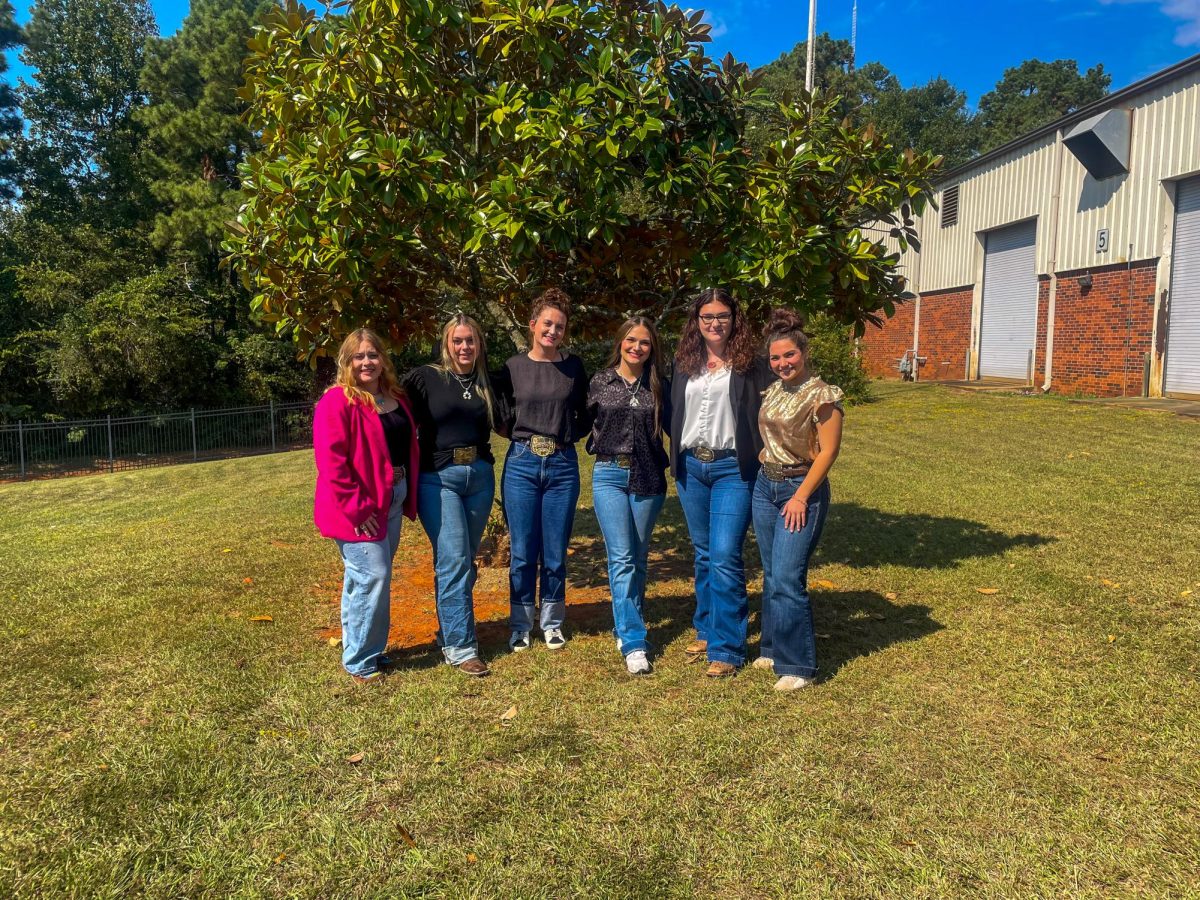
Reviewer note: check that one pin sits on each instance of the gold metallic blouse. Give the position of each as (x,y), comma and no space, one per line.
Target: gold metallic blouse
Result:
(788,420)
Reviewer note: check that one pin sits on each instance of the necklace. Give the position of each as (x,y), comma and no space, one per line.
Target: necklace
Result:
(466,384)
(632,389)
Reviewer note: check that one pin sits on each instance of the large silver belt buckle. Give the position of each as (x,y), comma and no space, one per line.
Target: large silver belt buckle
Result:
(774,471)
(624,460)
(704,454)
(464,456)
(542,445)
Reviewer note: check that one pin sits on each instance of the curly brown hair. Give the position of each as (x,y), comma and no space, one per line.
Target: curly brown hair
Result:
(785,325)
(552,298)
(691,357)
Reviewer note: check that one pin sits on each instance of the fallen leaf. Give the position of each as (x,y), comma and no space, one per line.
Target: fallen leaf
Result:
(890,595)
(988,590)
(1111,584)
(406,835)
(280,858)
(1186,593)
(355,758)
(247,581)
(823,583)
(508,715)
(472,858)
(335,642)
(227,550)
(823,636)
(1111,638)
(103,767)
(260,619)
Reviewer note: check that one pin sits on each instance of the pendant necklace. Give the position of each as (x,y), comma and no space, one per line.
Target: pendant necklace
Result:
(633,390)
(466,384)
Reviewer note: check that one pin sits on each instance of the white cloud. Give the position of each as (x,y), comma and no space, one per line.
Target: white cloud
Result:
(1185,12)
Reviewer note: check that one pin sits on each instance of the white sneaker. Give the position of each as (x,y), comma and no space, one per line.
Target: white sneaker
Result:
(519,640)
(554,638)
(637,664)
(763,662)
(793,682)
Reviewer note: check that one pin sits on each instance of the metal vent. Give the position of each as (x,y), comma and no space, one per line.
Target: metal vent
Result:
(950,206)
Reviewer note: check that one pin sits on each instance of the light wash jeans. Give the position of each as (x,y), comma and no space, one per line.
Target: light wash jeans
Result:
(787,622)
(716,505)
(626,521)
(539,496)
(453,504)
(367,592)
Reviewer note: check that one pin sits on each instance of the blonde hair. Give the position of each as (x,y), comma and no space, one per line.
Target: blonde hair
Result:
(389,385)
(445,363)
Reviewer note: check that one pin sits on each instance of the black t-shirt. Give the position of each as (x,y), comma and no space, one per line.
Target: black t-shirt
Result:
(547,398)
(446,419)
(397,431)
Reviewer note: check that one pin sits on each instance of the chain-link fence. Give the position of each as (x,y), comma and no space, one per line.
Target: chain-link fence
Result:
(51,449)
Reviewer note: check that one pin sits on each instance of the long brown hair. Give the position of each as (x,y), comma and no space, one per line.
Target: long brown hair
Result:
(389,385)
(445,363)
(690,357)
(651,369)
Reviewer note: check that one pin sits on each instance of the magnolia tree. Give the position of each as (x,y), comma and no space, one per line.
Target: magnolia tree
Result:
(419,156)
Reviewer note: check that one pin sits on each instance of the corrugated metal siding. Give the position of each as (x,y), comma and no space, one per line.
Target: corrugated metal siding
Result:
(1165,144)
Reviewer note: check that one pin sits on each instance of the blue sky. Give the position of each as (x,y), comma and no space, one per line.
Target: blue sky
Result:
(971,43)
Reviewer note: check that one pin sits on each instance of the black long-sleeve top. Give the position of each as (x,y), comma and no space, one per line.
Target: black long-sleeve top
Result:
(621,428)
(445,419)
(547,398)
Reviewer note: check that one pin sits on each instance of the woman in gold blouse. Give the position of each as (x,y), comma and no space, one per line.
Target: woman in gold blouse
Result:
(801,425)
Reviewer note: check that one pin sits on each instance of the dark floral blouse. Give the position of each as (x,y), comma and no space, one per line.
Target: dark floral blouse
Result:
(624,422)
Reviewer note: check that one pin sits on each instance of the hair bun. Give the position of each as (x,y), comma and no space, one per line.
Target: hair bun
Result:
(783,320)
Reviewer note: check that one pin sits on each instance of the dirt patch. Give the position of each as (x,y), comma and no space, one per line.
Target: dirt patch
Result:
(414,616)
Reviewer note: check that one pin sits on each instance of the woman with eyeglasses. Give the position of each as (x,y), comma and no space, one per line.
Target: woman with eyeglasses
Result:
(629,403)
(452,402)
(716,390)
(801,426)
(543,394)
(365,445)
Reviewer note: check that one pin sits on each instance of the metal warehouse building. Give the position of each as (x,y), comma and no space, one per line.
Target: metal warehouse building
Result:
(1068,259)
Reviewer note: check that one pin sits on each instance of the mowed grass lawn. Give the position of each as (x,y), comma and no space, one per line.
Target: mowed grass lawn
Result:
(1040,740)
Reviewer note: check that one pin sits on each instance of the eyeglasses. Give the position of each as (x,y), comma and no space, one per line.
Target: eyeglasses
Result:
(708,319)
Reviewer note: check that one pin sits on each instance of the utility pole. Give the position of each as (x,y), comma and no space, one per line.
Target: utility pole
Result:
(812,40)
(854,36)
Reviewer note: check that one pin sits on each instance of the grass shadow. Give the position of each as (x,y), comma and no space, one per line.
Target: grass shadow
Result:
(864,537)
(851,624)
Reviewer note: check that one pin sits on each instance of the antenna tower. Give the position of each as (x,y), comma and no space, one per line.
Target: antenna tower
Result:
(853,35)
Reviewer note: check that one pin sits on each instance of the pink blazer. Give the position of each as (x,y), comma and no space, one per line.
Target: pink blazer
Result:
(354,471)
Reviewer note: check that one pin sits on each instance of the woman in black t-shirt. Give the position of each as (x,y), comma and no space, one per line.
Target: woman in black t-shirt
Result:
(544,397)
(452,403)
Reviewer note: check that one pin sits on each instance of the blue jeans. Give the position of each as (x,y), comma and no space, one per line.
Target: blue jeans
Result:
(716,505)
(453,504)
(787,622)
(539,494)
(626,521)
(367,591)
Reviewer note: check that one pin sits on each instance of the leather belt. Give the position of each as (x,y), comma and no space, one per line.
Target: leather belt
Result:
(777,472)
(464,456)
(708,454)
(624,460)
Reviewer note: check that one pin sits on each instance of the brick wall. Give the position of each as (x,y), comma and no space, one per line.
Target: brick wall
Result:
(1101,335)
(945,334)
(882,347)
(1039,335)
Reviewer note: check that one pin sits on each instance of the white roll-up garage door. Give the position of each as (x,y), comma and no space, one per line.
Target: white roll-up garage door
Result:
(1183,336)
(1009,324)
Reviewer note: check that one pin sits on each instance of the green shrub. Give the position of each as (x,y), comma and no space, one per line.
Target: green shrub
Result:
(831,355)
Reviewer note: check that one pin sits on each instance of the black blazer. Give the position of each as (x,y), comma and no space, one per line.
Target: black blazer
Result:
(745,396)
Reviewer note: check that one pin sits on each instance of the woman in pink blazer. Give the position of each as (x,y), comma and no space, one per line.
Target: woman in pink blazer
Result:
(365,443)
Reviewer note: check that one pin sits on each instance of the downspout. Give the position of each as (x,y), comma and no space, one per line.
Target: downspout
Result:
(916,341)
(1055,202)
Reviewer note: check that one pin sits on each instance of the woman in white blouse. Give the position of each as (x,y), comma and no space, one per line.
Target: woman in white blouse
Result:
(716,392)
